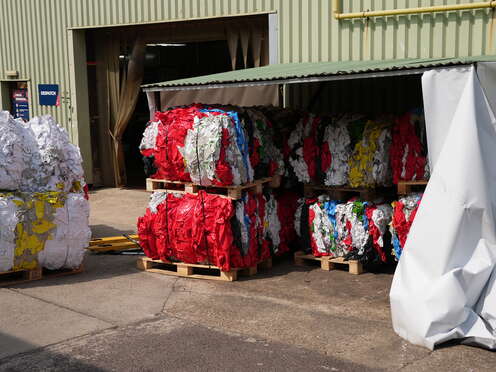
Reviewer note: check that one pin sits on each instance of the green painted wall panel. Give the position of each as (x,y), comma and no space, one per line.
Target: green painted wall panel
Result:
(34,33)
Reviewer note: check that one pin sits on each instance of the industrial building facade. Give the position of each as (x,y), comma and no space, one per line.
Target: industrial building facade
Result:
(60,49)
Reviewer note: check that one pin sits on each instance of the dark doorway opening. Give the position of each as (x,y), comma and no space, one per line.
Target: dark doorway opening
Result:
(168,61)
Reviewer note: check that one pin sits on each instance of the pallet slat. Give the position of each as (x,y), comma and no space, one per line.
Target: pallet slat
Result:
(407,187)
(198,271)
(345,192)
(23,276)
(328,263)
(232,192)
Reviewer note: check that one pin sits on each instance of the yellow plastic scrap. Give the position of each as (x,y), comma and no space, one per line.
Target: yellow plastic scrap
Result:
(35,227)
(361,162)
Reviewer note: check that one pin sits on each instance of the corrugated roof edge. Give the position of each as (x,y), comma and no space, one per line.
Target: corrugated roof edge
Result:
(315,69)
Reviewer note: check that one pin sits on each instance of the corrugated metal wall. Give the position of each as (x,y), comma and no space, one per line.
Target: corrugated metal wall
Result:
(33,33)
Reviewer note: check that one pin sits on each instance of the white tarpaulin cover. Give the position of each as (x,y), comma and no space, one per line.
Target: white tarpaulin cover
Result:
(444,286)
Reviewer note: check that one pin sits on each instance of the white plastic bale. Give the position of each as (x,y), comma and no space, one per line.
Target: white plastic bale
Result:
(337,139)
(295,142)
(61,162)
(12,154)
(8,221)
(71,236)
(202,148)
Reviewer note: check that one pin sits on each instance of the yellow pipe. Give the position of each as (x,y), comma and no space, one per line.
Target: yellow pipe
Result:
(393,12)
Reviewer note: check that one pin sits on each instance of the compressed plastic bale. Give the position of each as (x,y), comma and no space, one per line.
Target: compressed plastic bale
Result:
(65,246)
(304,149)
(9,218)
(266,158)
(379,217)
(35,226)
(323,227)
(171,133)
(13,161)
(408,152)
(60,162)
(202,229)
(404,212)
(336,151)
(369,163)
(211,153)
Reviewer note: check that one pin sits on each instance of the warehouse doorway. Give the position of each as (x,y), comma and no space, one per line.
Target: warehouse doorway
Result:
(169,51)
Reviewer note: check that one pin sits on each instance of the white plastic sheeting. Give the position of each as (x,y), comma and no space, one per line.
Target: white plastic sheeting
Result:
(444,286)
(8,222)
(37,156)
(61,162)
(66,247)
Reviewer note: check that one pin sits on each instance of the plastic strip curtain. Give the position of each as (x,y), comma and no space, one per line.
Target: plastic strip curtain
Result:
(444,286)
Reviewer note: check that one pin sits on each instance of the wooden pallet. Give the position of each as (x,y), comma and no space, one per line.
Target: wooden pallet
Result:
(329,263)
(111,244)
(198,271)
(62,272)
(232,192)
(20,276)
(344,192)
(23,276)
(407,187)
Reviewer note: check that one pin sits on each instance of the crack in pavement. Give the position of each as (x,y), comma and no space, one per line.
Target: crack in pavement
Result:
(61,306)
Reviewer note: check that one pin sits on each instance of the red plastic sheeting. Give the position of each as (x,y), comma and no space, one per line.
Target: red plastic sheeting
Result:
(287,203)
(172,131)
(408,158)
(197,229)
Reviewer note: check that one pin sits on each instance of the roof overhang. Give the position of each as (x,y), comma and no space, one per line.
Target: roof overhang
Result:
(297,73)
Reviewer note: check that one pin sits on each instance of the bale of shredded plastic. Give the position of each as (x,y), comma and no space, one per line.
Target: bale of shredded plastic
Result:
(336,151)
(354,230)
(304,148)
(408,152)
(64,249)
(14,156)
(60,161)
(369,164)
(208,228)
(404,211)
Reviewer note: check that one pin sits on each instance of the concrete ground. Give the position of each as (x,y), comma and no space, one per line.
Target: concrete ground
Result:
(115,317)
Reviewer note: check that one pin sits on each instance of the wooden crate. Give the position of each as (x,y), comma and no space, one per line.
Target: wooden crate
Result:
(113,244)
(328,263)
(232,192)
(407,187)
(198,271)
(344,192)
(20,276)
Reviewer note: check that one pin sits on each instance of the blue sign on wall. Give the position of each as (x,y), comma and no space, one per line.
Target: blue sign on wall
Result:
(48,94)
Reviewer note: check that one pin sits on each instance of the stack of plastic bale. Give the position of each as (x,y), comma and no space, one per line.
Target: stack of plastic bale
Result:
(336,150)
(211,229)
(408,149)
(404,211)
(304,148)
(43,209)
(354,230)
(280,210)
(284,121)
(217,146)
(369,163)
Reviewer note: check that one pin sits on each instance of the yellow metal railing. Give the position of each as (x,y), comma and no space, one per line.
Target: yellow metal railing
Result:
(427,9)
